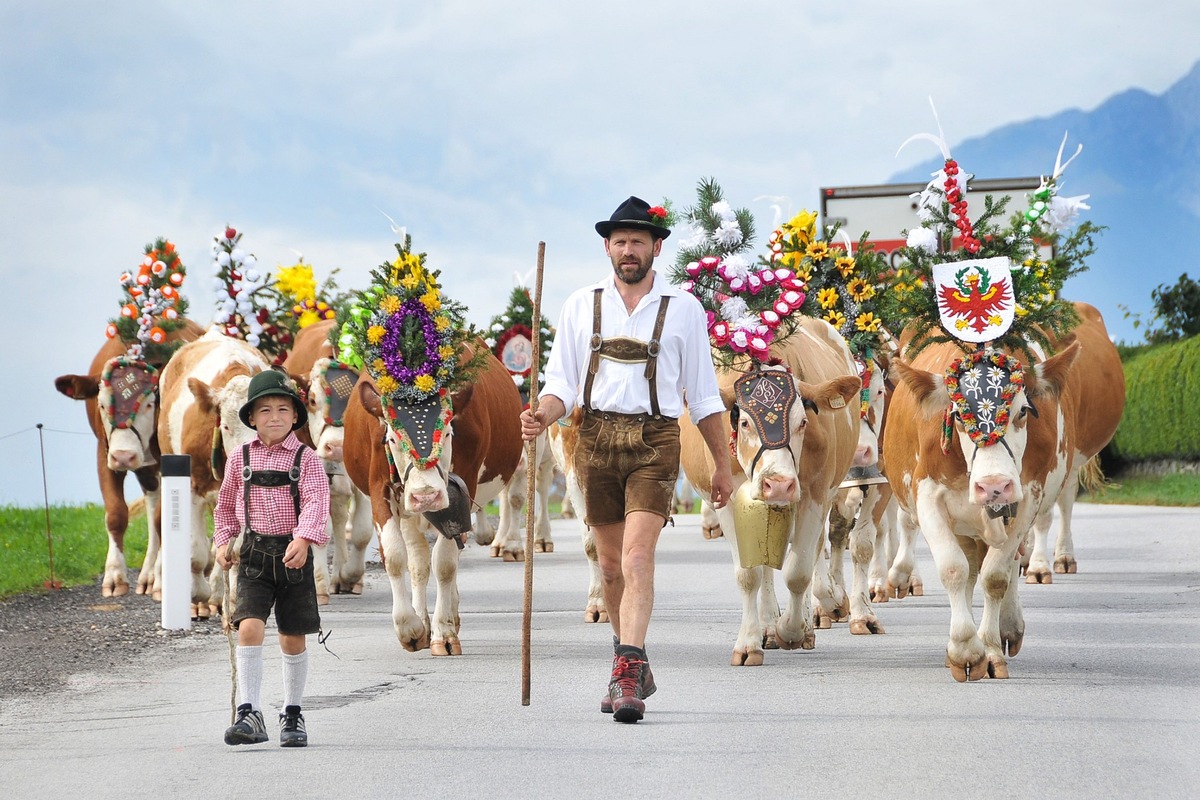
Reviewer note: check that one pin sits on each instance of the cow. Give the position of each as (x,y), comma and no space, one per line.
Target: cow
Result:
(507,539)
(975,497)
(203,387)
(121,401)
(481,447)
(1099,413)
(812,447)
(564,437)
(328,384)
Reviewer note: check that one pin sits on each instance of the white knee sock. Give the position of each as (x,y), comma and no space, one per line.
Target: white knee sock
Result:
(295,673)
(250,669)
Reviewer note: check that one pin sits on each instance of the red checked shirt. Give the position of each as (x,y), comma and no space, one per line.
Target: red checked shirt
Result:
(272,511)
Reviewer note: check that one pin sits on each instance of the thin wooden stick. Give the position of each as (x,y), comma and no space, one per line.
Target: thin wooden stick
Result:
(530,478)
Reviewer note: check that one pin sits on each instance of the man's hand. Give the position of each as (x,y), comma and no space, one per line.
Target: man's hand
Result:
(722,487)
(296,554)
(549,409)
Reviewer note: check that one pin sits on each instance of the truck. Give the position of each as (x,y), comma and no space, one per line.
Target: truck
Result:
(887,210)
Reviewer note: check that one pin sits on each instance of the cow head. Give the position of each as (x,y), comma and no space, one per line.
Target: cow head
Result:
(330,385)
(418,439)
(218,405)
(870,413)
(986,401)
(769,417)
(127,404)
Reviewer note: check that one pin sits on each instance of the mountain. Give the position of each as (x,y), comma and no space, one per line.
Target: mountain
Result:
(1141,166)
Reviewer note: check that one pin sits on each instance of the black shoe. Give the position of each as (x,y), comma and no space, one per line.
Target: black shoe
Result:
(249,728)
(625,688)
(291,728)
(647,682)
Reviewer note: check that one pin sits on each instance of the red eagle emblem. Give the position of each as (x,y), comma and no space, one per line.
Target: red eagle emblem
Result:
(971,307)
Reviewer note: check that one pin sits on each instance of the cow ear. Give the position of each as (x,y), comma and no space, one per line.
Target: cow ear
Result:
(303,384)
(462,398)
(77,387)
(1049,377)
(206,396)
(929,389)
(727,396)
(368,395)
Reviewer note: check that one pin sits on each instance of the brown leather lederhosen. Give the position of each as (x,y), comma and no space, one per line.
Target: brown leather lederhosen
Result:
(626,350)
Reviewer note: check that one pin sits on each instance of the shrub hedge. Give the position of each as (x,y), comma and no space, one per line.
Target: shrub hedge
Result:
(1162,404)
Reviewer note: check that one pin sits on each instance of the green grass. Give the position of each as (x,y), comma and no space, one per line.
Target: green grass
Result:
(1167,490)
(77,540)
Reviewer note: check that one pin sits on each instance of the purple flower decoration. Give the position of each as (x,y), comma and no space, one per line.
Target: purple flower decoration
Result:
(410,314)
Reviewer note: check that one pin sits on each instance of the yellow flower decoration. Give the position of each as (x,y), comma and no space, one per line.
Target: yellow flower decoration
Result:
(390,304)
(860,290)
(375,333)
(804,274)
(424,383)
(868,322)
(407,263)
(431,301)
(441,323)
(446,351)
(817,251)
(835,318)
(845,265)
(386,384)
(378,366)
(296,282)
(410,281)
(308,318)
(1021,310)
(803,226)
(827,297)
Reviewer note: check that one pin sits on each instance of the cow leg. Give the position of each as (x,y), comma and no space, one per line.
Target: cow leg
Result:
(116,521)
(509,544)
(884,552)
(446,621)
(710,525)
(596,610)
(329,580)
(795,627)
(830,575)
(542,539)
(768,608)
(902,577)
(202,560)
(862,552)
(411,630)
(349,578)
(1064,545)
(1000,633)
(1036,562)
(965,653)
(145,581)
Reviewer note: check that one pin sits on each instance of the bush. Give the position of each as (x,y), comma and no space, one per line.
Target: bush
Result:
(1162,404)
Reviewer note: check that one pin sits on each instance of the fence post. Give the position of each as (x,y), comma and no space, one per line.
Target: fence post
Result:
(176,550)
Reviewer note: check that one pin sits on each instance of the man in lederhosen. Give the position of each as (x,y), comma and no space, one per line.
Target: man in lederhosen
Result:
(627,350)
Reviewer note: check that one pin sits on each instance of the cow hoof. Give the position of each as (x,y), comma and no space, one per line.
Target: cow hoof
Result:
(898,592)
(879,595)
(1039,575)
(918,589)
(594,614)
(770,641)
(544,547)
(156,595)
(823,621)
(511,557)
(866,626)
(807,643)
(322,599)
(753,658)
(1065,565)
(441,647)
(495,551)
(358,587)
(997,670)
(971,671)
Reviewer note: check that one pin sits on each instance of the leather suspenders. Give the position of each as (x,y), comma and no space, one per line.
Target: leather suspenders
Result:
(626,350)
(270,477)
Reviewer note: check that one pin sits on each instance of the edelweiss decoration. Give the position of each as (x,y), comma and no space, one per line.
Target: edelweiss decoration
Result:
(974,282)
(510,335)
(245,307)
(982,385)
(152,306)
(409,337)
(749,306)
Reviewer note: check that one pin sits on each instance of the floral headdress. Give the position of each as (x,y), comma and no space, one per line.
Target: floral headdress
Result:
(246,307)
(406,333)
(988,272)
(749,305)
(152,306)
(298,291)
(510,335)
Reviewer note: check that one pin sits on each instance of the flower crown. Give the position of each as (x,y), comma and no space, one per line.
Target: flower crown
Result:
(946,236)
(152,306)
(749,306)
(298,289)
(406,334)
(245,298)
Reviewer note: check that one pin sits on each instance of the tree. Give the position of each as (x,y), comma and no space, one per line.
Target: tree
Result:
(1177,310)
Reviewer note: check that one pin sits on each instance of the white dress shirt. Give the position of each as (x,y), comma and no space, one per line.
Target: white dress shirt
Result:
(684,361)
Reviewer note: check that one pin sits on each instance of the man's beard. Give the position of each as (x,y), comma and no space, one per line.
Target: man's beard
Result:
(637,275)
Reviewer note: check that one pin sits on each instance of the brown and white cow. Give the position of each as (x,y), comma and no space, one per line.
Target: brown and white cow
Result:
(821,429)
(975,501)
(481,445)
(122,410)
(1099,413)
(507,539)
(328,386)
(563,440)
(203,387)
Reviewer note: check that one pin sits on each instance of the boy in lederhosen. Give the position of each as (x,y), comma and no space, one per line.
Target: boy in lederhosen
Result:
(275,494)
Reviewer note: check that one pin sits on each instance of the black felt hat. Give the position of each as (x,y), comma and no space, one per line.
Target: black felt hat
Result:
(634,213)
(273,382)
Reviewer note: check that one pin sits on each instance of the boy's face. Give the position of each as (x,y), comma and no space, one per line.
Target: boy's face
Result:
(273,417)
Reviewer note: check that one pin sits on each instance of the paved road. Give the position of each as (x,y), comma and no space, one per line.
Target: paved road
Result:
(1103,702)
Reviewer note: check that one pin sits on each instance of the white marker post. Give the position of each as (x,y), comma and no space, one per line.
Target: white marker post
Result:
(176,552)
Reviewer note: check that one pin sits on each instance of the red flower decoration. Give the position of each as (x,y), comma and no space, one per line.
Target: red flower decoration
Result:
(657,213)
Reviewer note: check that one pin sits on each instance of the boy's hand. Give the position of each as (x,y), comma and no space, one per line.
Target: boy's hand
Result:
(296,554)
(227,556)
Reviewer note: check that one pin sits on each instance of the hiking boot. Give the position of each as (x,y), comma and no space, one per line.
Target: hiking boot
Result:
(647,683)
(625,687)
(249,728)
(291,728)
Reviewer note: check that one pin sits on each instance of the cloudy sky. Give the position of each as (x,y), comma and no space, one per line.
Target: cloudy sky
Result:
(483,127)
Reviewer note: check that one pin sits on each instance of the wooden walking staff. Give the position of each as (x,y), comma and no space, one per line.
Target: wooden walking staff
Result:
(530,475)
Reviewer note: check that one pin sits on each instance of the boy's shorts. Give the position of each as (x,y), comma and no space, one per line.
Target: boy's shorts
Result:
(626,462)
(263,581)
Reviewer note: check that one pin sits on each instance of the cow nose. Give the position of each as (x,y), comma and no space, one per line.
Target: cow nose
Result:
(864,456)
(422,501)
(331,452)
(779,490)
(123,459)
(993,490)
